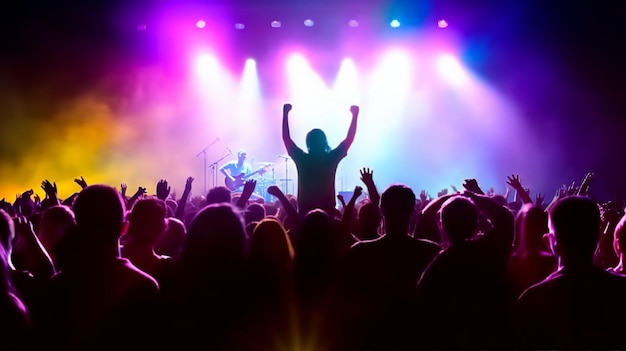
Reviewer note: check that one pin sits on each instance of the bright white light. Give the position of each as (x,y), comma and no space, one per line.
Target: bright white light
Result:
(207,65)
(450,68)
(353,23)
(240,26)
(346,87)
(442,24)
(201,24)
(249,86)
(276,24)
(309,22)
(394,23)
(307,89)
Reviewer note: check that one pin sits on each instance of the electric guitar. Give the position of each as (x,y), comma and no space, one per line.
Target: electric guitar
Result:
(239,180)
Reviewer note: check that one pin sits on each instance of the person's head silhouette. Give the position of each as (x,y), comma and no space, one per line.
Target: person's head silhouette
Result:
(316,142)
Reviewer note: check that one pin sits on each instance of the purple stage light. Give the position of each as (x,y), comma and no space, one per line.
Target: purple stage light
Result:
(275,24)
(141,27)
(353,23)
(201,24)
(240,26)
(309,22)
(442,24)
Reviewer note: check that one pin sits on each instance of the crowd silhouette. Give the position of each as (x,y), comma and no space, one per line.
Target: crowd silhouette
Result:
(390,270)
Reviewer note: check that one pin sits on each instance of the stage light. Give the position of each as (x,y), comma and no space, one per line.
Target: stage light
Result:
(353,23)
(201,24)
(442,24)
(394,23)
(276,24)
(309,22)
(452,70)
(240,26)
(141,27)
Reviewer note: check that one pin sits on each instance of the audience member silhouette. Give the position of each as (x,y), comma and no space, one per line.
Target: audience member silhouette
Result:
(147,222)
(171,241)
(99,300)
(270,286)
(14,316)
(317,168)
(619,246)
(383,274)
(580,306)
(55,225)
(531,261)
(205,296)
(462,295)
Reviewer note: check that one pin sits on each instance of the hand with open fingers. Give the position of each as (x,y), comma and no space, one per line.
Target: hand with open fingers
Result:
(514,182)
(81,182)
(49,188)
(471,184)
(162,189)
(367,176)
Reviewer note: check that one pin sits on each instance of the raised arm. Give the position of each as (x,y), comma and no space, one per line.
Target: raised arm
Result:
(367,177)
(516,184)
(352,129)
(289,144)
(182,203)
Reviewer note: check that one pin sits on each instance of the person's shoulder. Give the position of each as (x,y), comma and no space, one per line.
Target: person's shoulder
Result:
(365,245)
(136,274)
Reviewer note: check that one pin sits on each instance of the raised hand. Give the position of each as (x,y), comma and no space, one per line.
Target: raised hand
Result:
(367,176)
(471,184)
(443,192)
(454,188)
(358,191)
(274,190)
(572,189)
(354,109)
(188,184)
(49,188)
(514,182)
(123,188)
(286,108)
(81,182)
(140,191)
(341,200)
(23,226)
(248,188)
(539,198)
(584,186)
(423,196)
(162,189)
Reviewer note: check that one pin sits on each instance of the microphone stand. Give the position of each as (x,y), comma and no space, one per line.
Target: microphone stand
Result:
(204,167)
(213,167)
(286,188)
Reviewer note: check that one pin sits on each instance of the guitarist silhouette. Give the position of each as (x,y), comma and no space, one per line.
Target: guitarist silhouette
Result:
(237,171)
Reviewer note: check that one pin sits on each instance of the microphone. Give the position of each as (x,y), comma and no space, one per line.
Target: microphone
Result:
(283,157)
(230,152)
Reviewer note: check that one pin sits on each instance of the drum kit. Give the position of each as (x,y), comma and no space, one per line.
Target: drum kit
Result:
(265,181)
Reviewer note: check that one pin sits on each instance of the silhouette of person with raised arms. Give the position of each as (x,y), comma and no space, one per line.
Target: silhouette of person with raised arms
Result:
(580,306)
(317,168)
